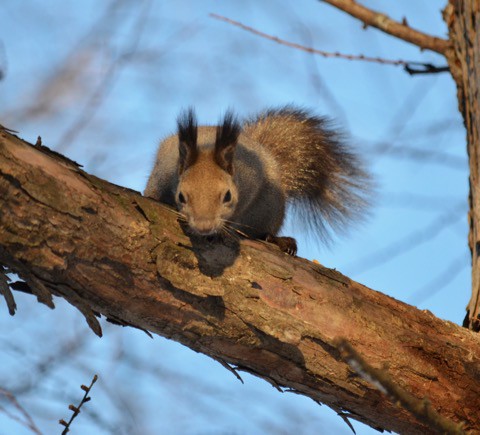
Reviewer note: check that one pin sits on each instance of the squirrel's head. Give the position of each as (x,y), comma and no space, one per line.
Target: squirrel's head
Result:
(206,194)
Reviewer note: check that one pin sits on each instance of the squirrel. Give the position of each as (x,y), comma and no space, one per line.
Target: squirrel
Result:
(243,175)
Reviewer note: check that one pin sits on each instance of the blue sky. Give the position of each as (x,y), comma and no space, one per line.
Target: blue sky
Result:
(104,91)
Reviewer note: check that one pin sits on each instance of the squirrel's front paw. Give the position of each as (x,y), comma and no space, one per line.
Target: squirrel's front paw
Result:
(286,244)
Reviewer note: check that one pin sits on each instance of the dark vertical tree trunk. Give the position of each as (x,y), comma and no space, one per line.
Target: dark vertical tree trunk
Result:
(463,21)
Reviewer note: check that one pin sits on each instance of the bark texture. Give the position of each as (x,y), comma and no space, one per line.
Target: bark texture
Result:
(109,250)
(369,17)
(463,20)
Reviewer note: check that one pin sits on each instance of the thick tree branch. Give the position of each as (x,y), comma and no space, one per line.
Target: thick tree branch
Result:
(109,250)
(384,23)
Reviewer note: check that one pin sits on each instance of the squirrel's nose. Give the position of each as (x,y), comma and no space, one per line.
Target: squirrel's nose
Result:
(204,227)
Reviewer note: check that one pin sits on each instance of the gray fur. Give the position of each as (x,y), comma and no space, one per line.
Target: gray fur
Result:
(281,156)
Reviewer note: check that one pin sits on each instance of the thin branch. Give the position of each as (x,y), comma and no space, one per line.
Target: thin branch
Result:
(3,62)
(67,80)
(6,292)
(8,130)
(47,365)
(417,155)
(28,421)
(319,52)
(427,68)
(318,82)
(418,201)
(406,243)
(229,368)
(107,82)
(76,409)
(380,379)
(436,128)
(440,281)
(384,23)
(406,112)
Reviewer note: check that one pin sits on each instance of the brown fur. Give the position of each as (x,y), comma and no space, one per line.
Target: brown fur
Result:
(244,176)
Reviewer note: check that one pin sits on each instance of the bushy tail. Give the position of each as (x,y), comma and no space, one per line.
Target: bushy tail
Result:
(324,180)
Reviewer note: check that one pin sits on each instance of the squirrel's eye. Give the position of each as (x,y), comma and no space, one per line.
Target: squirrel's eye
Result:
(227,197)
(181,198)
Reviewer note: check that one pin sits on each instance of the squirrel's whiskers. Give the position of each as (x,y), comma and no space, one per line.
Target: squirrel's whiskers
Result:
(238,177)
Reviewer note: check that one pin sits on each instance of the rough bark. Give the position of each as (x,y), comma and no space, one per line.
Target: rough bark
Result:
(109,250)
(369,17)
(462,51)
(463,20)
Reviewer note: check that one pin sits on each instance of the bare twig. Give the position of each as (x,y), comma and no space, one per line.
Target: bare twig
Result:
(440,281)
(417,155)
(427,68)
(3,61)
(47,365)
(344,416)
(380,379)
(229,368)
(27,421)
(312,50)
(8,130)
(418,201)
(406,243)
(67,81)
(107,82)
(318,82)
(384,23)
(6,292)
(402,118)
(76,409)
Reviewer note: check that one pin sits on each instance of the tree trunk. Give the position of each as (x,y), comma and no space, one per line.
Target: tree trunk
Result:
(463,20)
(109,250)
(462,51)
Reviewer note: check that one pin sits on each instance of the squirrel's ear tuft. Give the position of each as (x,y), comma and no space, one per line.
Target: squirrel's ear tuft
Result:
(226,141)
(187,139)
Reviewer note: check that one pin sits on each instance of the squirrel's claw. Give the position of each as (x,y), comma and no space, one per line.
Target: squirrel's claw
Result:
(286,244)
